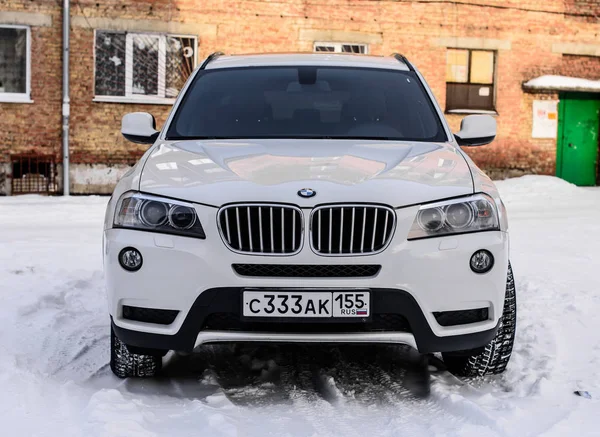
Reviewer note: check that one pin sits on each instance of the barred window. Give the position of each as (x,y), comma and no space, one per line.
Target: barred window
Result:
(142,65)
(14,63)
(337,47)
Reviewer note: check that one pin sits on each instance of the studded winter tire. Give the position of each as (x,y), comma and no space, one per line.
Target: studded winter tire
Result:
(126,364)
(494,357)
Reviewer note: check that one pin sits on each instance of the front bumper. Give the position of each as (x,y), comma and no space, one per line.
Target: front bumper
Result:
(417,279)
(227,301)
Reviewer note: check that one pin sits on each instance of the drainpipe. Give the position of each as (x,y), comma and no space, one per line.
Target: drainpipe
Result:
(65,102)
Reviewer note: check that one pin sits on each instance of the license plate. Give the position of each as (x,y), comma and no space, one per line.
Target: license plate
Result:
(321,304)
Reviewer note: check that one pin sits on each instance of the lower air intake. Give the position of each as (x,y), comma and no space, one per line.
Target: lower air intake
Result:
(149,315)
(307,270)
(463,317)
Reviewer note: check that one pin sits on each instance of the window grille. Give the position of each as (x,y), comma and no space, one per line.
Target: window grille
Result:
(33,174)
(142,65)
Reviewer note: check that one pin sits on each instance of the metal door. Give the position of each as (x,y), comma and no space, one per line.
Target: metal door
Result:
(578,127)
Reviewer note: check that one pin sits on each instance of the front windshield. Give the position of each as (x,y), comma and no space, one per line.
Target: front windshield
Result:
(306,102)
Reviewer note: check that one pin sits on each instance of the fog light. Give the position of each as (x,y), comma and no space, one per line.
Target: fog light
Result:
(130,259)
(482,261)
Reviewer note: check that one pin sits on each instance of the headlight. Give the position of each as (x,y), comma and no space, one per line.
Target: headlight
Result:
(155,214)
(456,216)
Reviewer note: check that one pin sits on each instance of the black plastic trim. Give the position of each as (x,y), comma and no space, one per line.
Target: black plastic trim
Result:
(400,57)
(167,232)
(138,139)
(462,317)
(452,234)
(308,270)
(377,323)
(210,58)
(157,316)
(227,299)
(474,142)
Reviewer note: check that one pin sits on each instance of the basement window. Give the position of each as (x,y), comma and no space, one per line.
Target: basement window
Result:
(15,42)
(470,80)
(341,47)
(142,67)
(33,174)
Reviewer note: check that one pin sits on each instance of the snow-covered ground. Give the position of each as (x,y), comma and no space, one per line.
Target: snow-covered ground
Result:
(54,378)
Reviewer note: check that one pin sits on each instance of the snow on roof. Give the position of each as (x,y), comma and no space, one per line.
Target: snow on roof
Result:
(562,83)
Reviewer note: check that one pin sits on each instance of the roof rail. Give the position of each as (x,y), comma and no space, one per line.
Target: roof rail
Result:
(211,57)
(403,58)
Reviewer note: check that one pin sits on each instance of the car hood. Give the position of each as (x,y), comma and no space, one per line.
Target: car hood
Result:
(394,173)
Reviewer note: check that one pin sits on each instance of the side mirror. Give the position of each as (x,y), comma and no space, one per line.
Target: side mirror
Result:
(476,130)
(139,127)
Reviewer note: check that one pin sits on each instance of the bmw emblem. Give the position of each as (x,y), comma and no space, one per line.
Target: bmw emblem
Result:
(307,192)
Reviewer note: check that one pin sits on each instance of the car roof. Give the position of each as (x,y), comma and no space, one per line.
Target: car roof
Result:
(307,59)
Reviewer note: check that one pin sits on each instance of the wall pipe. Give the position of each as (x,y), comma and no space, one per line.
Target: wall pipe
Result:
(66,102)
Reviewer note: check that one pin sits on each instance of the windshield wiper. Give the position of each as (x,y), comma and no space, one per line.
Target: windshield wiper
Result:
(174,138)
(285,137)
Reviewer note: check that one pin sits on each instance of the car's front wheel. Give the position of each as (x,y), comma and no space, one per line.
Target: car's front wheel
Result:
(494,357)
(126,364)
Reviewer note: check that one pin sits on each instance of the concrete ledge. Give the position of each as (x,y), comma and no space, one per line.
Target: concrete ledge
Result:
(95,178)
(572,48)
(473,43)
(26,18)
(5,173)
(313,35)
(205,30)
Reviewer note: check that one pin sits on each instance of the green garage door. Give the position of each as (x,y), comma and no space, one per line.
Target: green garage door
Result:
(578,127)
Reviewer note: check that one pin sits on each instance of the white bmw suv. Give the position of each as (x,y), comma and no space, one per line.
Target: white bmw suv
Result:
(308,198)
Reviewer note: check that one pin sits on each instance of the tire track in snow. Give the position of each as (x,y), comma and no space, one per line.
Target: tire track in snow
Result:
(73,343)
(248,374)
(376,385)
(331,390)
(312,393)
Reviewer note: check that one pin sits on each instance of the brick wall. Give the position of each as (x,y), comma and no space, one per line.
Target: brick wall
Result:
(524,34)
(581,66)
(35,127)
(583,10)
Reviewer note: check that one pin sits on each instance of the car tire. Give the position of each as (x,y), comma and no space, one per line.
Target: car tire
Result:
(493,358)
(126,364)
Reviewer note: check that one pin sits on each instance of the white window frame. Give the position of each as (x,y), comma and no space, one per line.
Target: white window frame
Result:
(337,46)
(26,96)
(130,97)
